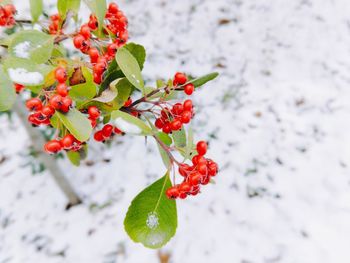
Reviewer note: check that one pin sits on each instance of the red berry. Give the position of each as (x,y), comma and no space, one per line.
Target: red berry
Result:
(117,131)
(128,102)
(56,101)
(53,146)
(189,88)
(202,147)
(94,54)
(172,192)
(166,128)
(185,187)
(61,74)
(184,169)
(97,78)
(194,178)
(177,109)
(176,125)
(159,123)
(18,87)
(202,169)
(34,104)
(62,89)
(113,8)
(212,169)
(93,112)
(67,141)
(180,78)
(188,105)
(98,136)
(99,68)
(48,111)
(78,41)
(93,24)
(107,130)
(85,31)
(186,116)
(111,49)
(66,103)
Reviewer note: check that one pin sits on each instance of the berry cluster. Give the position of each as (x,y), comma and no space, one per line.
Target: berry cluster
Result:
(54,27)
(68,142)
(7,13)
(181,79)
(59,101)
(106,133)
(174,118)
(99,59)
(199,173)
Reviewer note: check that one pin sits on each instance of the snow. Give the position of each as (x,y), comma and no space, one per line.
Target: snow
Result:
(127,127)
(25,77)
(22,49)
(152,220)
(277,122)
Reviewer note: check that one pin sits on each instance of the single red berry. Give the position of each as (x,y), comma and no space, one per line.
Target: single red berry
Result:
(202,169)
(113,8)
(78,41)
(18,87)
(85,31)
(180,78)
(197,159)
(202,147)
(66,104)
(176,125)
(117,130)
(56,101)
(186,116)
(188,105)
(99,68)
(111,49)
(97,78)
(34,104)
(195,190)
(48,111)
(98,136)
(128,102)
(212,169)
(94,54)
(177,109)
(166,128)
(172,192)
(62,89)
(67,141)
(183,195)
(185,187)
(61,74)
(53,146)
(194,178)
(107,130)
(159,123)
(85,46)
(93,112)
(189,88)
(9,10)
(184,169)
(205,180)
(93,24)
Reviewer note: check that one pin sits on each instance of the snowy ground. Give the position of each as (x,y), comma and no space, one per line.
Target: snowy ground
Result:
(277,120)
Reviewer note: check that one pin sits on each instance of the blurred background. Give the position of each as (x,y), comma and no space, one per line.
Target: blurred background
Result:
(277,119)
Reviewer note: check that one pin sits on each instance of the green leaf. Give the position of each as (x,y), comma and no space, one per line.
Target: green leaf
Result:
(7,91)
(138,52)
(130,124)
(64,6)
(84,91)
(197,82)
(107,95)
(99,8)
(58,51)
(74,157)
(179,138)
(24,72)
(190,144)
(33,45)
(77,124)
(130,67)
(36,9)
(124,89)
(152,217)
(165,138)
